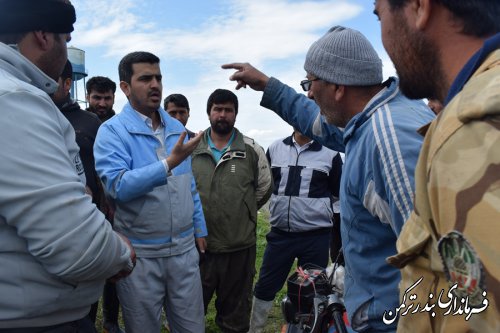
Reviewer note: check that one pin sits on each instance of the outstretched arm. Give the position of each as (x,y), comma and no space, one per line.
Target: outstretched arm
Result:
(296,109)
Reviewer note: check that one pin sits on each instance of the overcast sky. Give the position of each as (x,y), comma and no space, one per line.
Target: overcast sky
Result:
(193,38)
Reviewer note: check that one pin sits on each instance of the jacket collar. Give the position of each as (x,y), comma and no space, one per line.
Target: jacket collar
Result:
(13,62)
(134,124)
(490,45)
(390,91)
(314,146)
(479,97)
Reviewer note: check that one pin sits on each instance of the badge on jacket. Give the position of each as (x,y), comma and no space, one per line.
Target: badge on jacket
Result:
(462,267)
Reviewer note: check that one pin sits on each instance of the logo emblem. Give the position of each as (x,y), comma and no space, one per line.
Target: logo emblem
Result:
(463,267)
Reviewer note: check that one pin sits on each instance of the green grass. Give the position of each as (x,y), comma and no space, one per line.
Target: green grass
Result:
(275,320)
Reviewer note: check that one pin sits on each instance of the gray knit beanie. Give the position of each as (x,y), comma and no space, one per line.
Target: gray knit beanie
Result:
(344,56)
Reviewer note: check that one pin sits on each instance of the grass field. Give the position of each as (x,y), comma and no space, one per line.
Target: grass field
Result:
(275,320)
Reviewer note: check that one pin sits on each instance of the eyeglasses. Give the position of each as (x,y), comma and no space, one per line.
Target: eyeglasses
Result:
(306,84)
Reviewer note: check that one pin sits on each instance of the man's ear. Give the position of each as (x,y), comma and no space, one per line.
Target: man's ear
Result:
(125,87)
(339,92)
(422,12)
(67,85)
(43,40)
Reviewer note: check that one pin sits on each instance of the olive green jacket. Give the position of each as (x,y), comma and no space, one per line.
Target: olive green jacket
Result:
(232,191)
(453,234)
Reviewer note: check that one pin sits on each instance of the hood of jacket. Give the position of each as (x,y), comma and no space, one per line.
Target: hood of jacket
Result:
(480,97)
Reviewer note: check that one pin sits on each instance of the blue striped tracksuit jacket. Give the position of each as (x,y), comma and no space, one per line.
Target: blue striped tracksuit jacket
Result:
(381,146)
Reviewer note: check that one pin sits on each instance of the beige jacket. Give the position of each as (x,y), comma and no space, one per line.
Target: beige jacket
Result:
(457,189)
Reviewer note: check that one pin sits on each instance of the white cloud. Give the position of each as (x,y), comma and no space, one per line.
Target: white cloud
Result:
(246,29)
(260,31)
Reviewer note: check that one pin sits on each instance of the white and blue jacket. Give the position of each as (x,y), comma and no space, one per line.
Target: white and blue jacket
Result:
(306,185)
(159,212)
(381,146)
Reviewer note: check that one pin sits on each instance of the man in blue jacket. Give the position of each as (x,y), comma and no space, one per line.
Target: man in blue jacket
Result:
(355,112)
(142,157)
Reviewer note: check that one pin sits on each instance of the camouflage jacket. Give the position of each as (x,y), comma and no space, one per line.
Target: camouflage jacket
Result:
(452,235)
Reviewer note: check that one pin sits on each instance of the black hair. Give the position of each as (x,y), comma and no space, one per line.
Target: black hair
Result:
(125,70)
(100,84)
(178,100)
(220,96)
(479,18)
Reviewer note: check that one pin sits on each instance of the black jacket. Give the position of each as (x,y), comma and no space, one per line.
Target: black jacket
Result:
(85,125)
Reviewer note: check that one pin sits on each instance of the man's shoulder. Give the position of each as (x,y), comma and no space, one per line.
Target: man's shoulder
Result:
(84,114)
(118,120)
(11,85)
(248,141)
(400,117)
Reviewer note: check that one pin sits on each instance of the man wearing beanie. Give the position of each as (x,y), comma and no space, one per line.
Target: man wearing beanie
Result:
(57,248)
(351,110)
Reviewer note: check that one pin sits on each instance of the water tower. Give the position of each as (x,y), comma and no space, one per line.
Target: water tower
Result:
(77,58)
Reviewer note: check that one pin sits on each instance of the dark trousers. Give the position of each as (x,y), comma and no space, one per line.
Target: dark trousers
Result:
(281,250)
(110,305)
(230,276)
(84,325)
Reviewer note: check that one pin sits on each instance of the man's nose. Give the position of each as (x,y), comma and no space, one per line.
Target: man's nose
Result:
(155,83)
(310,95)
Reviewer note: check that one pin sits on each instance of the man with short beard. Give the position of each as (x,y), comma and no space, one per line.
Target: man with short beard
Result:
(234,180)
(101,97)
(56,248)
(450,50)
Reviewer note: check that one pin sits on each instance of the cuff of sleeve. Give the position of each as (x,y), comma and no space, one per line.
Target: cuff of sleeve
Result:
(167,169)
(129,264)
(269,95)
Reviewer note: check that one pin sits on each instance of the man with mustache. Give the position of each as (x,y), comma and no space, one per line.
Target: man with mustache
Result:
(234,181)
(101,97)
(352,110)
(143,158)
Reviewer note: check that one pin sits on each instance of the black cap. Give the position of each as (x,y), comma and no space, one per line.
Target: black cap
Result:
(30,15)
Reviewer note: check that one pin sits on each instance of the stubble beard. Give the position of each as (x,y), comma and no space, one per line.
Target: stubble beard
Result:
(418,65)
